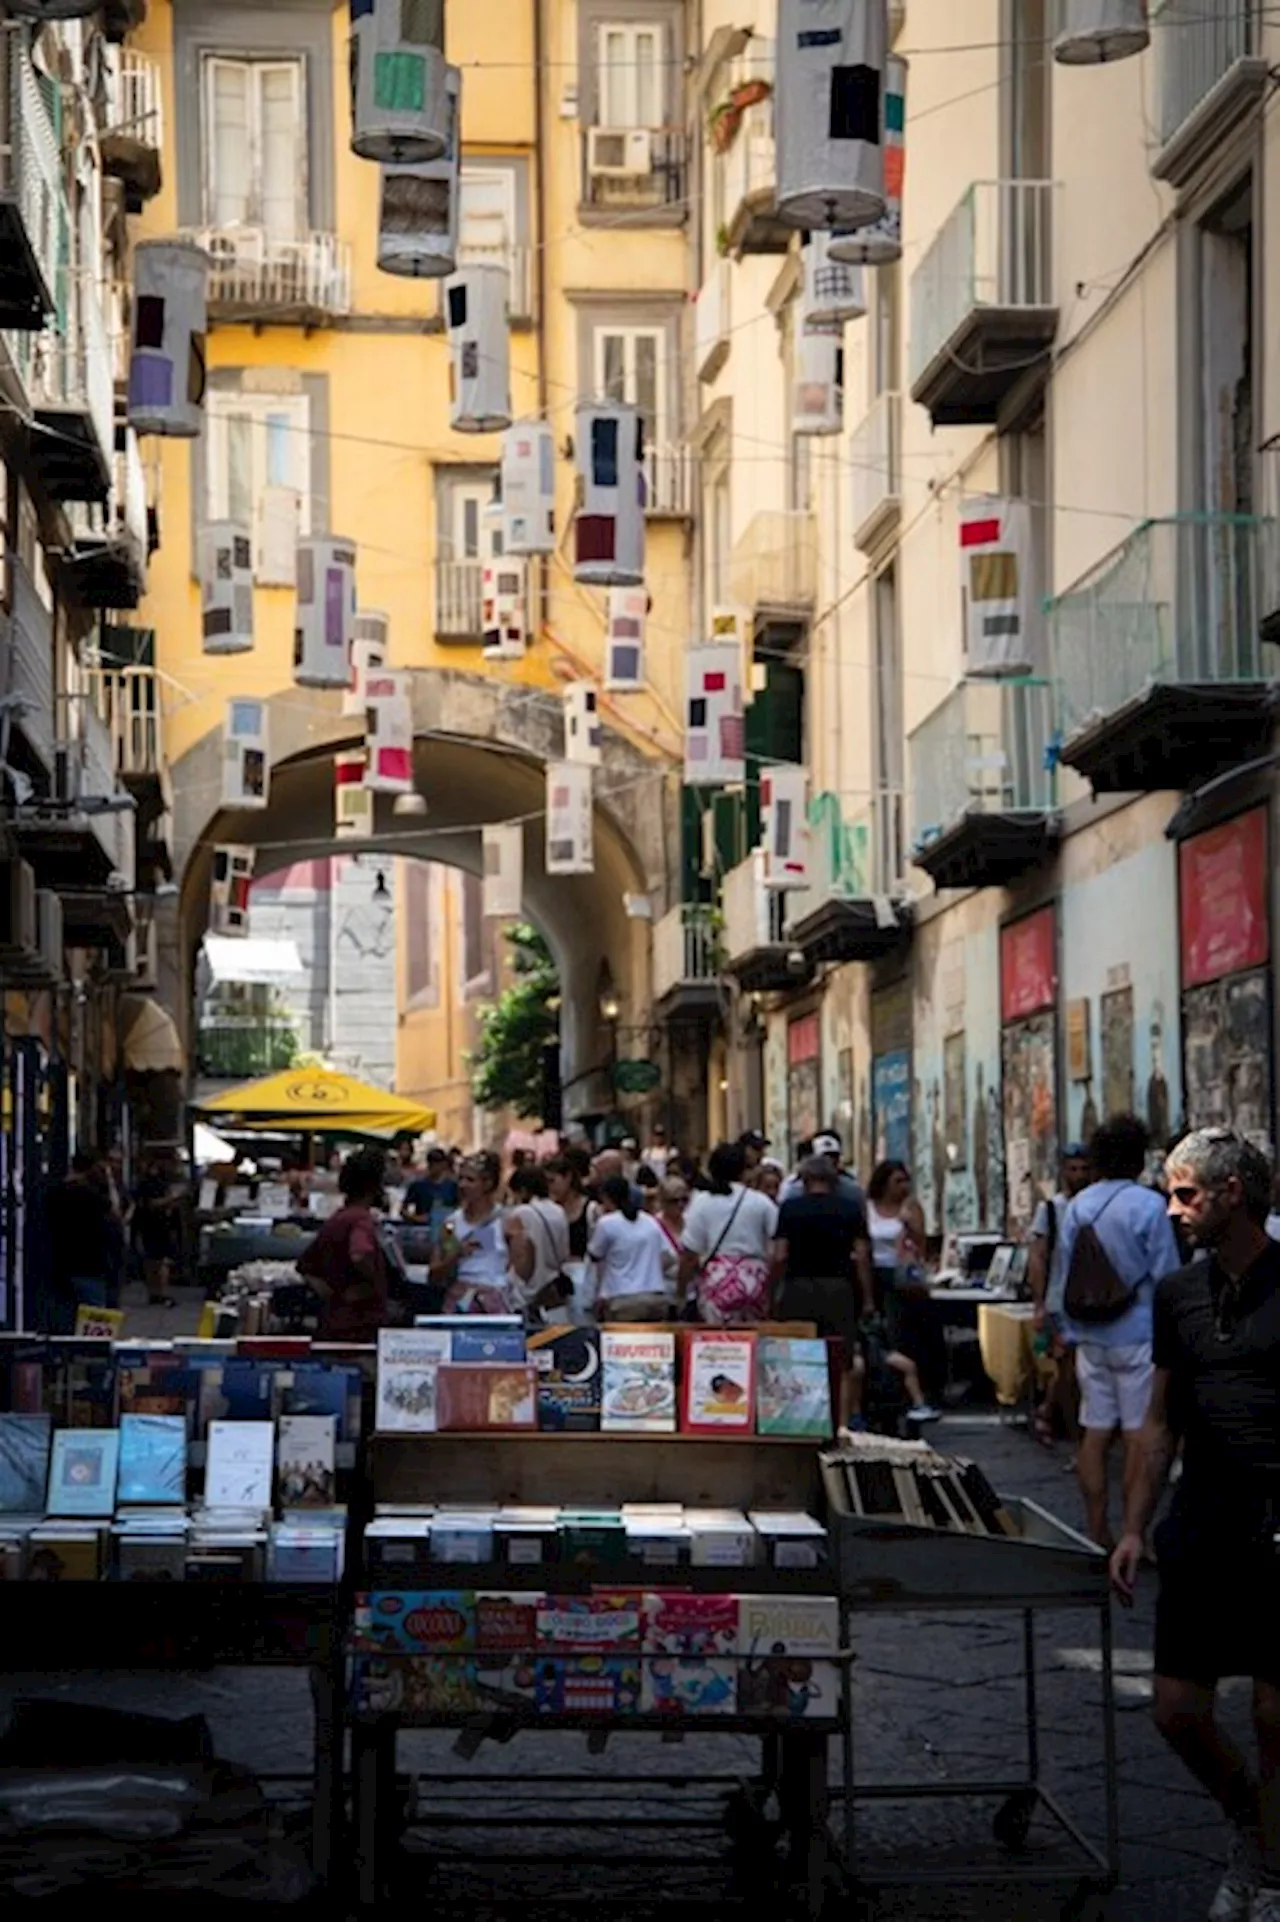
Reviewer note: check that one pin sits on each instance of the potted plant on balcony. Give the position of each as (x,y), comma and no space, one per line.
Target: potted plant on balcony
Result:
(722,125)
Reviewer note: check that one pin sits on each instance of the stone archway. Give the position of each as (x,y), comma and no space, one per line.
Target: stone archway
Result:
(480,755)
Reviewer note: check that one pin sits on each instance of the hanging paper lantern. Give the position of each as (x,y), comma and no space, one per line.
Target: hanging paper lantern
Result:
(624,643)
(583,733)
(503,872)
(715,747)
(834,292)
(783,804)
(389,734)
(529,487)
(504,615)
(230,889)
(1094,31)
(246,766)
(53,9)
(168,372)
(880,243)
(227,589)
(570,828)
(352,800)
(399,100)
(370,640)
(817,405)
(828,112)
(608,530)
(480,349)
(419,207)
(996,580)
(326,614)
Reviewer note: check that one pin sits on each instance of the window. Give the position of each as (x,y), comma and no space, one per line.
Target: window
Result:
(630,89)
(486,213)
(890,745)
(460,510)
(259,466)
(419,974)
(255,145)
(630,366)
(475,959)
(884,357)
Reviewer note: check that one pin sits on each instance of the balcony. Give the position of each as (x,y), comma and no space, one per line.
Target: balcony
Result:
(983,307)
(26,676)
(459,600)
(269,282)
(856,906)
(132,138)
(518,262)
(235,1047)
(1156,656)
(875,456)
(773,568)
(634,176)
(983,800)
(1210,72)
(670,476)
(127,702)
(686,964)
(712,328)
(758,947)
(741,128)
(80,842)
(33,207)
(70,386)
(107,564)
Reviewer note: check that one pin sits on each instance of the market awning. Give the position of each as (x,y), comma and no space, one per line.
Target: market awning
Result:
(152,1044)
(252,962)
(318,1101)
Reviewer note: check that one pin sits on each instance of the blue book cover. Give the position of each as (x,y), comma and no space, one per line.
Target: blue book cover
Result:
(25,1441)
(246,1390)
(503,1344)
(82,1478)
(313,1389)
(153,1459)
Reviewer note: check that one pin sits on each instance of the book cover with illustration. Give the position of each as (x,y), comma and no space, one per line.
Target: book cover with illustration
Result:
(482,1395)
(587,1685)
(639,1395)
(418,1621)
(415,1685)
(720,1384)
(678,1622)
(604,1620)
(567,1362)
(306,1446)
(409,1361)
(507,1623)
(153,1459)
(788,1646)
(793,1395)
(239,1464)
(25,1442)
(689,1685)
(82,1474)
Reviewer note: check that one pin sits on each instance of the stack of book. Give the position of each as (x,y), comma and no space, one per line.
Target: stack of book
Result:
(403,1544)
(901,1481)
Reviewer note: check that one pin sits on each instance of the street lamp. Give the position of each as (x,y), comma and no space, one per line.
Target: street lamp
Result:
(610,1006)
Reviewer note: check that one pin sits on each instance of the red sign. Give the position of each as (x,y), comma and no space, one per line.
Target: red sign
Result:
(1222,878)
(1028,965)
(804,1039)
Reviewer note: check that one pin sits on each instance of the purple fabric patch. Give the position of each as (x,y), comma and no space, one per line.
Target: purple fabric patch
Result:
(150,381)
(335,627)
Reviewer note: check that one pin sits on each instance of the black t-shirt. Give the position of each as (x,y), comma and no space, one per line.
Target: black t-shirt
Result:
(1221,1345)
(820,1230)
(423,1194)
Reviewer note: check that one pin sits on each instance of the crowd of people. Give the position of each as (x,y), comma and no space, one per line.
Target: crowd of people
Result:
(101,1234)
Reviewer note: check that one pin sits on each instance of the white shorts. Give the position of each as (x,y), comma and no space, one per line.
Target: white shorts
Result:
(1115,1385)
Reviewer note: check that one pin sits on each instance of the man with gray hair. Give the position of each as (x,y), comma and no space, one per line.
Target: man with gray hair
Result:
(1216,1343)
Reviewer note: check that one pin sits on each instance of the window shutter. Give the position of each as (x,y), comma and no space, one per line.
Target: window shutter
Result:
(275,542)
(228,147)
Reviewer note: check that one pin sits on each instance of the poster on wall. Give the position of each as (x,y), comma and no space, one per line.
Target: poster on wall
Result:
(1222,888)
(1029,1063)
(954,1101)
(1226,1002)
(1226,1028)
(1117,1051)
(891,1074)
(804,1083)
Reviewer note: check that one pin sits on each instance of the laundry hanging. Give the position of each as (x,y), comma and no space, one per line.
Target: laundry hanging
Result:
(246,764)
(503,871)
(389,733)
(230,888)
(419,207)
(570,828)
(399,98)
(628,609)
(880,242)
(715,730)
(784,810)
(226,589)
(997,584)
(326,612)
(352,800)
(583,734)
(608,528)
(828,112)
(480,349)
(168,368)
(529,487)
(370,640)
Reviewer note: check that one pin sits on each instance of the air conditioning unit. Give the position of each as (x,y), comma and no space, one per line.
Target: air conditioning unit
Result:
(17,911)
(49,937)
(623,153)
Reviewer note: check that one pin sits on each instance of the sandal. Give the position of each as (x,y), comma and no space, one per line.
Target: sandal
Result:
(1042,1428)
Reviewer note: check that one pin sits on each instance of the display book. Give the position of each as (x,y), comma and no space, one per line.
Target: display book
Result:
(475,1374)
(880,1479)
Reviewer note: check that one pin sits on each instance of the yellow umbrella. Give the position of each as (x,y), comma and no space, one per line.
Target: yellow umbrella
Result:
(318,1101)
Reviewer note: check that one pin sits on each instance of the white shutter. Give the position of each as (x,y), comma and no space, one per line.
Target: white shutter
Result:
(275,537)
(281,149)
(228,150)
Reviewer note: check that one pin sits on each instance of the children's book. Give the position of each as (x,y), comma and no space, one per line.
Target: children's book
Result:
(793,1396)
(720,1384)
(639,1381)
(153,1459)
(82,1475)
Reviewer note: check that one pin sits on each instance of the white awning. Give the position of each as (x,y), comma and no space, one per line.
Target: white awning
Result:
(252,962)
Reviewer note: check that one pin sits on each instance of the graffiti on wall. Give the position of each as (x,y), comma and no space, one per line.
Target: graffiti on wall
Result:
(958,1136)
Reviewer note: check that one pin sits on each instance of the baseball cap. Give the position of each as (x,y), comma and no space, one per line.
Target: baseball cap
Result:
(1076,1151)
(827,1144)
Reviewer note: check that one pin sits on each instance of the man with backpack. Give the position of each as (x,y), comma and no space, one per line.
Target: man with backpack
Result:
(1116,1243)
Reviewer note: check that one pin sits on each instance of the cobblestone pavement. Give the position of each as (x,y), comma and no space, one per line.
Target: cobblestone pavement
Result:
(937,1699)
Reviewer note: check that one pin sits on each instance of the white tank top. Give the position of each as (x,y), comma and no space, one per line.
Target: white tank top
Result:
(886,1236)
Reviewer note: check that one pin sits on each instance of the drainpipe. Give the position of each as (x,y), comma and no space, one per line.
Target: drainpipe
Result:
(540,82)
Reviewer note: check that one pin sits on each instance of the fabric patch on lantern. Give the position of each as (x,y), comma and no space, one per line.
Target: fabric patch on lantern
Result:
(255,771)
(855,104)
(242,601)
(596,537)
(334,623)
(471,360)
(624,663)
(243,551)
(458,305)
(150,381)
(361,10)
(149,324)
(604,453)
(197,371)
(217,621)
(399,82)
(421,22)
(222,564)
(306,576)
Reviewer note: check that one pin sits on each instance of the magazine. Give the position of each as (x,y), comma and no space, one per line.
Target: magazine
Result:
(639,1382)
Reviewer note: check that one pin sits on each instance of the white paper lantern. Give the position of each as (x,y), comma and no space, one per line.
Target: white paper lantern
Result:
(817,405)
(828,112)
(583,732)
(352,800)
(389,733)
(503,872)
(246,762)
(784,794)
(227,589)
(168,371)
(1093,31)
(399,100)
(370,641)
(998,584)
(326,612)
(529,487)
(624,642)
(480,349)
(418,207)
(834,291)
(504,582)
(608,530)
(570,827)
(715,747)
(230,888)
(880,243)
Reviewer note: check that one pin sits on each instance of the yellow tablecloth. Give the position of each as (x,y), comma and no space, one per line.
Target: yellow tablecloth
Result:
(1005,1334)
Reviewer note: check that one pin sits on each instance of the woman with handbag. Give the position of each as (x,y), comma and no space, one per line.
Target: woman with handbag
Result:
(728,1239)
(538,1248)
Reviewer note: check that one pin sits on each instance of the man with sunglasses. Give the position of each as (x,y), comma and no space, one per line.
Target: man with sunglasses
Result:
(1217,1388)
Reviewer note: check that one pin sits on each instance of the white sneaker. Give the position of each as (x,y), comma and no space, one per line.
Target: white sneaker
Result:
(1237,1897)
(1266,1906)
(926,1412)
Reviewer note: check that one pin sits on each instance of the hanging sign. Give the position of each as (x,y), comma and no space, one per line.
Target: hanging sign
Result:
(784,806)
(828,114)
(583,734)
(503,872)
(399,93)
(880,243)
(996,579)
(570,828)
(368,653)
(326,612)
(1093,31)
(715,733)
(229,890)
(246,769)
(608,530)
(389,733)
(624,641)
(480,349)
(168,370)
(529,488)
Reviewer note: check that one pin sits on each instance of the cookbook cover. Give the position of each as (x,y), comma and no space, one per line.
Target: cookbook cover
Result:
(602,1621)
(793,1396)
(639,1381)
(720,1384)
